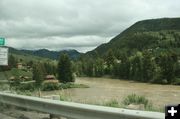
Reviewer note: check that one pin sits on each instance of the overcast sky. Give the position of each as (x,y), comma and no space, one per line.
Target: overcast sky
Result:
(75,24)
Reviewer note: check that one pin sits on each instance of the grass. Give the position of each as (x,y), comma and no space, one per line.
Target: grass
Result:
(130,99)
(55,86)
(65,98)
(25,92)
(72,85)
(112,103)
(137,100)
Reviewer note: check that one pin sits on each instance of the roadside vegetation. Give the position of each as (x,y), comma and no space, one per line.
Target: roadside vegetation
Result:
(132,101)
(138,100)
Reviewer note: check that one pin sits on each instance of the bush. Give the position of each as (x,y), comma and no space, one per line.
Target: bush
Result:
(50,86)
(25,86)
(135,99)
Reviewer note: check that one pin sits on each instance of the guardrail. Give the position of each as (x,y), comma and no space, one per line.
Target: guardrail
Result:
(75,110)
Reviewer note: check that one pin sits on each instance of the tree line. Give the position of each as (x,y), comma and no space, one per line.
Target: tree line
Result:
(142,66)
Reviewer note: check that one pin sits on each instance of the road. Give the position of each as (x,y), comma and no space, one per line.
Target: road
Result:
(3,116)
(20,114)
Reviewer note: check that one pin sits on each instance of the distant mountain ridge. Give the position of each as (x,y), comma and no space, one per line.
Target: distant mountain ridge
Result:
(73,54)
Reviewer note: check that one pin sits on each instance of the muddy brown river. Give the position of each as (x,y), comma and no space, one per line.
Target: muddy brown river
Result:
(105,89)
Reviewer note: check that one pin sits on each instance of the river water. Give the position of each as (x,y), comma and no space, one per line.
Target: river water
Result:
(105,89)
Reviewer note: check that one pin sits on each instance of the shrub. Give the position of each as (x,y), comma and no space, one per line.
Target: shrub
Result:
(50,86)
(135,99)
(64,85)
(26,86)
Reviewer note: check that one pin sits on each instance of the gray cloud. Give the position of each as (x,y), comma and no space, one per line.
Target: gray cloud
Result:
(74,24)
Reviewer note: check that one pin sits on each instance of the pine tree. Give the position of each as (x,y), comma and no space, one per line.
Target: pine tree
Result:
(109,58)
(124,67)
(99,68)
(136,72)
(38,75)
(65,73)
(148,66)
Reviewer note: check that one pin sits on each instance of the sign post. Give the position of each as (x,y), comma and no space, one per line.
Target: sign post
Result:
(3,53)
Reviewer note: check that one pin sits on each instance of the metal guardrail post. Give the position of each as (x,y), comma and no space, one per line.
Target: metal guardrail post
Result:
(53,97)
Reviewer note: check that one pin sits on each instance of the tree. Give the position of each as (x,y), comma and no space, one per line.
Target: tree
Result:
(30,63)
(99,67)
(89,68)
(38,75)
(136,72)
(12,61)
(109,58)
(148,66)
(168,62)
(65,73)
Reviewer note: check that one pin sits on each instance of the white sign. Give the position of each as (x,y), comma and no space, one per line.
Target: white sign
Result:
(3,56)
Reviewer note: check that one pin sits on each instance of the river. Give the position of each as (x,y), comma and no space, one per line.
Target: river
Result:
(105,89)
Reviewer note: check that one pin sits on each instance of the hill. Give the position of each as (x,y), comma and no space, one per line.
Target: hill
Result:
(147,51)
(44,53)
(160,34)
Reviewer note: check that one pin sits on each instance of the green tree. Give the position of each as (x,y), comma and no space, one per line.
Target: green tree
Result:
(12,61)
(168,62)
(109,59)
(136,72)
(65,73)
(148,66)
(38,75)
(124,69)
(89,68)
(30,63)
(99,67)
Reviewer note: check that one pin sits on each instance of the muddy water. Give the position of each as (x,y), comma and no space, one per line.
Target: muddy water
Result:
(104,89)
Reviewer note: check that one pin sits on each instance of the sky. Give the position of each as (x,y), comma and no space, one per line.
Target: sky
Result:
(75,24)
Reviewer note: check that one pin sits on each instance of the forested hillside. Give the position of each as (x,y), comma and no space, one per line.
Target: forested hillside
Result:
(147,51)
(148,34)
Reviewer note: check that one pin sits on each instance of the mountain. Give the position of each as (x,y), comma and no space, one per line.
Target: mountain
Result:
(73,54)
(160,34)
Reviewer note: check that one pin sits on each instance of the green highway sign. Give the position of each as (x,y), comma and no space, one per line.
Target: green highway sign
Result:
(2,41)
